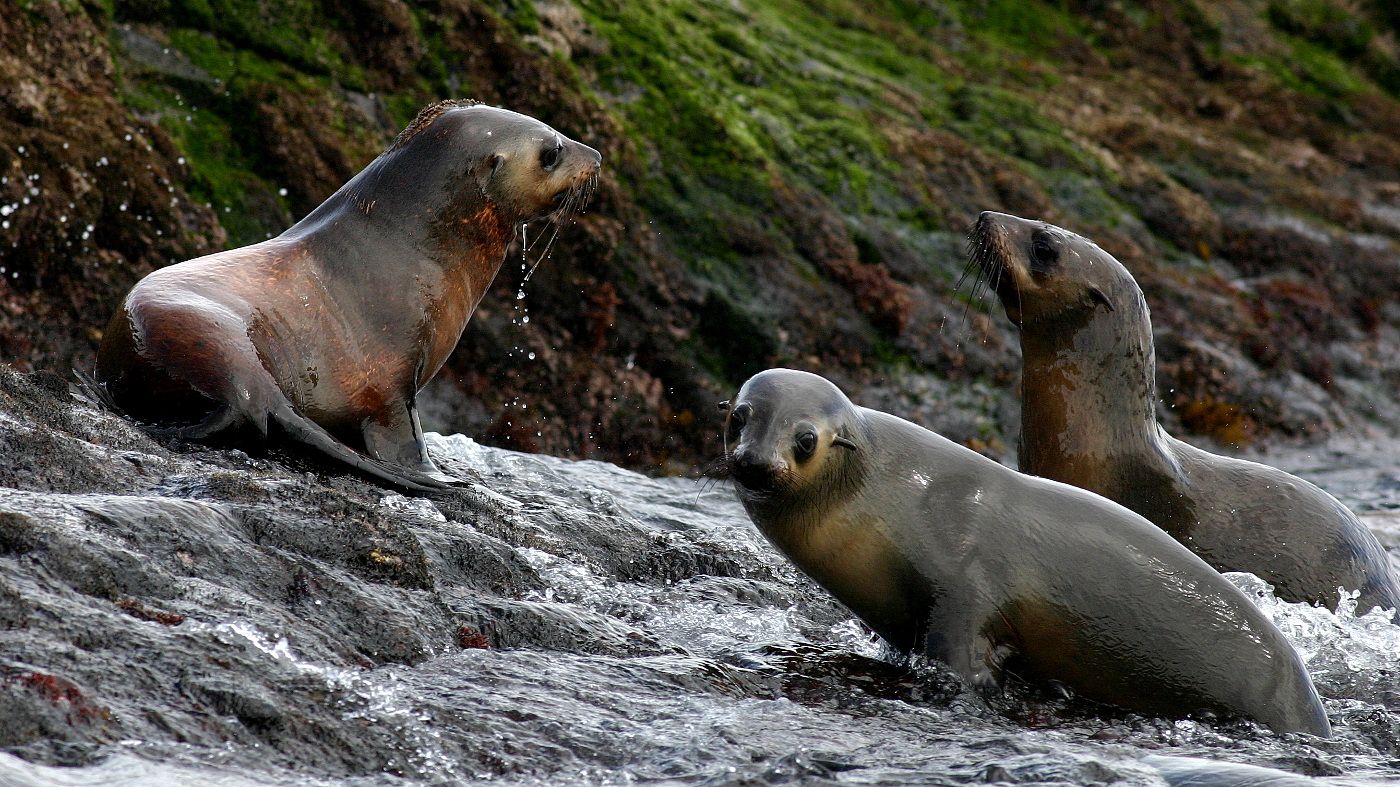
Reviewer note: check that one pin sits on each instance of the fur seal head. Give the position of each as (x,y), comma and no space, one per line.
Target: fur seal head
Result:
(787,431)
(462,167)
(1046,273)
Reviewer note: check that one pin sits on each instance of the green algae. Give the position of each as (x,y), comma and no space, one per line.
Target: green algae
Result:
(732,107)
(291,31)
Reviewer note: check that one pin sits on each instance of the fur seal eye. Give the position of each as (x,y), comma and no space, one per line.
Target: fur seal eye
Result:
(549,158)
(1043,254)
(806,444)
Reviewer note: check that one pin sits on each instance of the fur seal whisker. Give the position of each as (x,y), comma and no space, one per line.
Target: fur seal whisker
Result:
(574,199)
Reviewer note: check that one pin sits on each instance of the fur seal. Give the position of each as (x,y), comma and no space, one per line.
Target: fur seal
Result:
(940,549)
(329,330)
(1088,393)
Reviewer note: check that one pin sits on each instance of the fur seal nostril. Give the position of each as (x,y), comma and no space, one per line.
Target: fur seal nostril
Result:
(753,471)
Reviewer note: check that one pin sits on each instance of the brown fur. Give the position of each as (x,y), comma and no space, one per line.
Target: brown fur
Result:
(330,329)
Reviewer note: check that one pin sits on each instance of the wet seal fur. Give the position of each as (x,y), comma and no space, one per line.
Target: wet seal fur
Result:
(1088,393)
(329,330)
(941,550)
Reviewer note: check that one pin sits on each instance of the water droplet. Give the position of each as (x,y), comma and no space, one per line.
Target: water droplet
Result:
(531,356)
(122,206)
(525,320)
(282,192)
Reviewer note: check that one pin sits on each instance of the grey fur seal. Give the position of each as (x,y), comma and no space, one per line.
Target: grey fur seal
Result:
(329,330)
(1088,396)
(941,550)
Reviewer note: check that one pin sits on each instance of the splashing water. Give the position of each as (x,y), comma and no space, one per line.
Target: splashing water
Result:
(661,639)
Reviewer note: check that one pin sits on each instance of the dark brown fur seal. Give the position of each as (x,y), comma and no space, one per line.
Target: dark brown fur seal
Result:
(1087,418)
(942,550)
(330,329)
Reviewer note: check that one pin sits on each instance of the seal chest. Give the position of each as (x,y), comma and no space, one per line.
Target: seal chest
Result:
(1088,398)
(942,550)
(329,330)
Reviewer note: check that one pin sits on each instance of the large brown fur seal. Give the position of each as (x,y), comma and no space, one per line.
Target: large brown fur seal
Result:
(942,550)
(1087,418)
(330,329)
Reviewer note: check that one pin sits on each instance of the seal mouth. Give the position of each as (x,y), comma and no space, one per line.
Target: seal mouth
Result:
(754,482)
(760,479)
(566,202)
(988,258)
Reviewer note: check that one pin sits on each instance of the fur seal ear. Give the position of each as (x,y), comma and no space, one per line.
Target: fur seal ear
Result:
(1097,294)
(844,442)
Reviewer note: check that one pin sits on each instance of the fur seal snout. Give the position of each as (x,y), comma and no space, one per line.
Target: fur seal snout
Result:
(941,550)
(1088,418)
(328,331)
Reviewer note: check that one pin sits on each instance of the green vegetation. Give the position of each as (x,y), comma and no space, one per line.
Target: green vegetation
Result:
(734,111)
(291,31)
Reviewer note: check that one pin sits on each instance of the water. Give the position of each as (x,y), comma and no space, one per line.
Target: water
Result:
(697,655)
